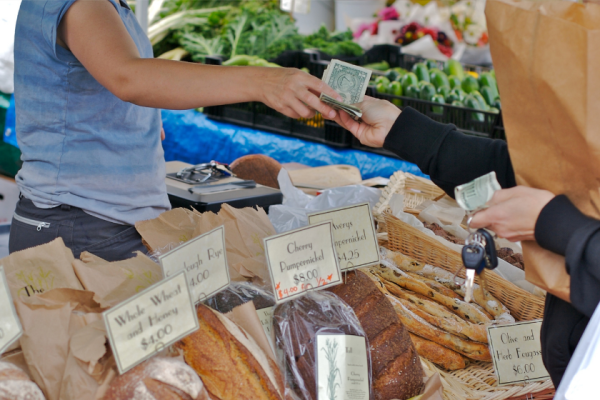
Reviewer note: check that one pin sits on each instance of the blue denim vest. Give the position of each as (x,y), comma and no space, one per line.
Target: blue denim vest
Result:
(81,145)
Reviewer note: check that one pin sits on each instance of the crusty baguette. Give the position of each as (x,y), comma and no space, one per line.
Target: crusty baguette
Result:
(438,354)
(438,316)
(416,325)
(438,287)
(459,307)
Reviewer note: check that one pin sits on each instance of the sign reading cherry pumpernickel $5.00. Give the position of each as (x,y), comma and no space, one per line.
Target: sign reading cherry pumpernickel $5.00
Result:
(517,352)
(353,234)
(302,260)
(150,321)
(204,259)
(10,326)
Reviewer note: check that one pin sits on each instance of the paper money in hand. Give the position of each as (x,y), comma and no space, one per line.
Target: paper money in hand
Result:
(474,195)
(350,82)
(354,112)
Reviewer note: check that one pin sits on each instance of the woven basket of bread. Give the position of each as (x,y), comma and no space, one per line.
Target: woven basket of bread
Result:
(478,380)
(415,190)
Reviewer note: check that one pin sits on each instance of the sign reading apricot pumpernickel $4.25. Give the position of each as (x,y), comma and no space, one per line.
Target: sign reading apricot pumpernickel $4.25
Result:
(150,321)
(301,260)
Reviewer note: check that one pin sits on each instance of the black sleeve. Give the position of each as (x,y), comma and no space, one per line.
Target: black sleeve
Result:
(448,156)
(563,229)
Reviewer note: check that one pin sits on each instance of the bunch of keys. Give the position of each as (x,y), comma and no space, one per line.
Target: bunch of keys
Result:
(479,253)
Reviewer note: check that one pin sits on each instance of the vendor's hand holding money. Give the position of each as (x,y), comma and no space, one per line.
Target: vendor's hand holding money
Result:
(378,117)
(513,213)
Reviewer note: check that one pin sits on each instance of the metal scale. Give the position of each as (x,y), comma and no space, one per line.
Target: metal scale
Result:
(206,186)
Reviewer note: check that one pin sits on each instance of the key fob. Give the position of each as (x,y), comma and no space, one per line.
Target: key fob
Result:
(490,249)
(473,256)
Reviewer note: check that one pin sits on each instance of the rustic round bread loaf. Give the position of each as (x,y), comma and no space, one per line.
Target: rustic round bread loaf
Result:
(159,378)
(397,371)
(259,168)
(16,385)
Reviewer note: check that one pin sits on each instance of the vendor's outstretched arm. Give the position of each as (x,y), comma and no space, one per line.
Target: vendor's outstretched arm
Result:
(448,156)
(93,31)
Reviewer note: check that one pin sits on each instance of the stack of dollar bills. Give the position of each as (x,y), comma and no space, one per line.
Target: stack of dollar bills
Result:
(351,82)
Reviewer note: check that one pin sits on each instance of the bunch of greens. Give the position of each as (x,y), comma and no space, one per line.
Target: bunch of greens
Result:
(335,44)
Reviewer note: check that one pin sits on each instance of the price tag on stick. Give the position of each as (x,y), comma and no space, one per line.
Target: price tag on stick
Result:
(150,321)
(517,352)
(301,260)
(353,234)
(10,326)
(204,259)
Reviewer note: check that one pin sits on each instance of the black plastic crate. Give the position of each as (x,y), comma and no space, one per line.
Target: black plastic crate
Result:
(409,60)
(259,116)
(317,61)
(467,120)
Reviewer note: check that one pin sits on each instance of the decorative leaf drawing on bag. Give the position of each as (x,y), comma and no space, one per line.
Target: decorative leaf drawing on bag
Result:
(256,239)
(146,278)
(35,281)
(331,349)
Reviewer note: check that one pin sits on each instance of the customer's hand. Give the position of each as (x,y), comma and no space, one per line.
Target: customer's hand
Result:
(295,93)
(377,120)
(512,213)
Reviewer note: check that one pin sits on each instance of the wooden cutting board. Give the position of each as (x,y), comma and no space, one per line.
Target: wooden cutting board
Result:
(326,177)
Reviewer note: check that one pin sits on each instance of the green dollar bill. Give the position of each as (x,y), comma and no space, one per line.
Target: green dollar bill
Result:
(350,81)
(474,195)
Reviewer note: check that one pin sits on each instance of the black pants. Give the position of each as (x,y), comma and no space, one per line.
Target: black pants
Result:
(562,329)
(33,226)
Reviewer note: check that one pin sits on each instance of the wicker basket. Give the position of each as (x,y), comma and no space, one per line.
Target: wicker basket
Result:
(478,381)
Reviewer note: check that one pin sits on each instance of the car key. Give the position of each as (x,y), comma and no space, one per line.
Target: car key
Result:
(491,256)
(474,260)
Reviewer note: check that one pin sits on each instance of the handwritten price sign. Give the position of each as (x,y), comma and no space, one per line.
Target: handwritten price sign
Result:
(301,260)
(353,234)
(150,321)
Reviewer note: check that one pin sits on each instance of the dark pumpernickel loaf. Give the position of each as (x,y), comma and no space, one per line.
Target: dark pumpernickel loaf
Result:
(259,168)
(397,371)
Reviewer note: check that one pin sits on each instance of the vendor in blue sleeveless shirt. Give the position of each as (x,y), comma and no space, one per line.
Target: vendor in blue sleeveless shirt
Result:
(87,93)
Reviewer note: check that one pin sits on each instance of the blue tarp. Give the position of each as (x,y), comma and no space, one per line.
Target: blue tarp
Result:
(193,138)
(9,125)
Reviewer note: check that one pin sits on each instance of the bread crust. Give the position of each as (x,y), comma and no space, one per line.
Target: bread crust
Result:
(438,354)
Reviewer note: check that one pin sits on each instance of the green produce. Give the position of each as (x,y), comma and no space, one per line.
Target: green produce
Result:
(240,60)
(458,93)
(489,95)
(454,82)
(479,97)
(334,44)
(427,91)
(431,64)
(395,74)
(444,91)
(395,88)
(454,68)
(382,79)
(409,79)
(452,97)
(381,88)
(469,84)
(457,103)
(438,98)
(380,66)
(493,110)
(472,102)
(412,91)
(421,71)
(438,78)
(487,79)
(497,104)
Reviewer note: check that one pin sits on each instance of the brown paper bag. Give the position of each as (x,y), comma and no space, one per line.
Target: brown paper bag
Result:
(547,60)
(49,321)
(40,269)
(114,282)
(170,229)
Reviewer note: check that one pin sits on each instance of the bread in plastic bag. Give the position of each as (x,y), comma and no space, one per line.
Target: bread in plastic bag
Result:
(16,385)
(297,325)
(239,293)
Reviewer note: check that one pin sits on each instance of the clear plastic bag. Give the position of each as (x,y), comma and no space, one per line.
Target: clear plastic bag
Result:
(239,293)
(308,330)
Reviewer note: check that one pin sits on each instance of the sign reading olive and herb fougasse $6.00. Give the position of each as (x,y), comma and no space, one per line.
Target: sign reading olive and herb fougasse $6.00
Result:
(517,352)
(301,260)
(204,260)
(150,321)
(353,234)
(10,326)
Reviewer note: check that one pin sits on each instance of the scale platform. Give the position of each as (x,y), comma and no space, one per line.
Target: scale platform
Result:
(205,187)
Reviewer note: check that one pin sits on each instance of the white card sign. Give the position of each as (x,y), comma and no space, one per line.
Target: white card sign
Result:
(517,352)
(301,260)
(148,322)
(10,326)
(204,259)
(353,234)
